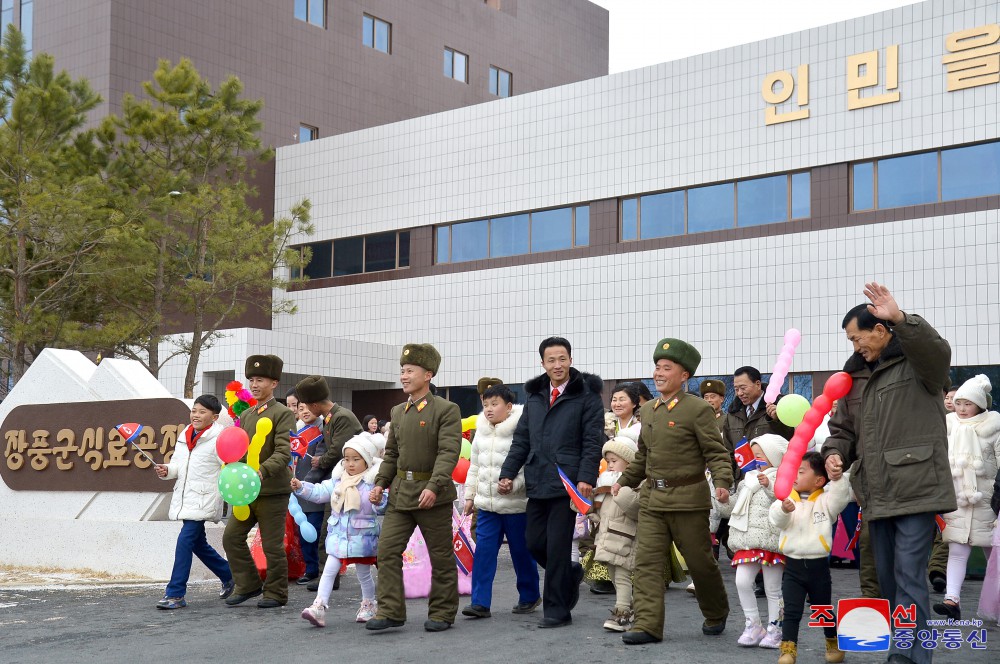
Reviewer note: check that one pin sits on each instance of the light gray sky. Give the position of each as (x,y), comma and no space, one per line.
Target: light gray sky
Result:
(647,32)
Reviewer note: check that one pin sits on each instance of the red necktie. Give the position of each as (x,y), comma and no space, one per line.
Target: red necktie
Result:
(555,395)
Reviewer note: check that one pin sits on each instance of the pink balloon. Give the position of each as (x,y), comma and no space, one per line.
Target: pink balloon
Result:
(793,337)
(838,385)
(232,444)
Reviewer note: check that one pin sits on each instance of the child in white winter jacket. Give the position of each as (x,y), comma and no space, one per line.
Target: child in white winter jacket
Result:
(498,516)
(755,542)
(617,518)
(195,465)
(806,519)
(973,449)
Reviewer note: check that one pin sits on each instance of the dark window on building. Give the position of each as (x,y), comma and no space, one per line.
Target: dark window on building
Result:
(970,172)
(376,33)
(380,252)
(456,65)
(500,82)
(509,235)
(710,208)
(404,249)
(320,260)
(582,222)
(348,256)
(307,133)
(311,11)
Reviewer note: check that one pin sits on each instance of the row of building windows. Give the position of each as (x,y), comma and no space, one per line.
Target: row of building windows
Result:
(716,207)
(377,34)
(355,255)
(927,177)
(513,235)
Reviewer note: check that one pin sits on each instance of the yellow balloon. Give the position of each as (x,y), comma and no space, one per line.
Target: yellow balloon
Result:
(257,442)
(241,512)
(469,423)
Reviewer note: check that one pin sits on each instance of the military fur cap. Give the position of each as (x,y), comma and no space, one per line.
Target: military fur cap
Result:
(486,383)
(268,366)
(422,355)
(678,351)
(312,389)
(713,386)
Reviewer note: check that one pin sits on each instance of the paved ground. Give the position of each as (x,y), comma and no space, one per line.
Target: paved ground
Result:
(108,623)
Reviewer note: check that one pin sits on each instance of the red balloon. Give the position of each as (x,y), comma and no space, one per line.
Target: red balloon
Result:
(461,471)
(838,385)
(823,404)
(232,444)
(813,418)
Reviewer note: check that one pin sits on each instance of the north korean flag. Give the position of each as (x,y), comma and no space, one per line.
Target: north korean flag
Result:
(301,440)
(744,456)
(129,431)
(582,504)
(463,552)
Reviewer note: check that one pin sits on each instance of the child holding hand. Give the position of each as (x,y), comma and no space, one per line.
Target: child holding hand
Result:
(617,517)
(806,519)
(352,530)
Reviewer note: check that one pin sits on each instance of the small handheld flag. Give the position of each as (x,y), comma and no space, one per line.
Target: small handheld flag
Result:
(301,440)
(130,434)
(744,456)
(463,551)
(582,504)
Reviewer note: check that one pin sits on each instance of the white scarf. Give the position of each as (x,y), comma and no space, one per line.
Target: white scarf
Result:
(965,456)
(740,518)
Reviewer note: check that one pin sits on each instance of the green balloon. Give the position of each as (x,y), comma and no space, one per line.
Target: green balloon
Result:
(792,408)
(466,452)
(239,484)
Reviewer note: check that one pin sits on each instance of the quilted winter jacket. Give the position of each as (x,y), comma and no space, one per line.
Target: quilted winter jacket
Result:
(807,532)
(892,424)
(973,523)
(196,493)
(351,534)
(760,533)
(614,542)
(489,450)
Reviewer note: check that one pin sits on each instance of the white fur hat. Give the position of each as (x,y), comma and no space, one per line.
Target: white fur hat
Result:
(364,446)
(976,390)
(773,446)
(621,446)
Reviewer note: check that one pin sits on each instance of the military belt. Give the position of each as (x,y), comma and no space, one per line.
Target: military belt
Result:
(655,483)
(412,475)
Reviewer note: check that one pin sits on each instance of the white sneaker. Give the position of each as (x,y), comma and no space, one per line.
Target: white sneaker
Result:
(773,637)
(316,614)
(752,635)
(367,611)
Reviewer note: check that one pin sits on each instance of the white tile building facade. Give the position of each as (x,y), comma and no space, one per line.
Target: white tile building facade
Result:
(696,121)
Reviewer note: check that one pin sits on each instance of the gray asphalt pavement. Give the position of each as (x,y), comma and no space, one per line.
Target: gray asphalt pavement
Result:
(120,624)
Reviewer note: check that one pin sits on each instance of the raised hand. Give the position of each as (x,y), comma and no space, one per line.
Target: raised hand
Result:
(883,304)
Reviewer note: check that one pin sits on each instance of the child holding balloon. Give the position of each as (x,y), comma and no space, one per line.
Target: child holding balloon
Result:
(755,541)
(196,499)
(352,530)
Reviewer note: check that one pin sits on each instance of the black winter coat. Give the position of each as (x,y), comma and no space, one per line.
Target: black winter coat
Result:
(571,433)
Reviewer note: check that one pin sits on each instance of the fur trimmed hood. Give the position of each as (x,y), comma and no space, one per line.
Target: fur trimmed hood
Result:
(578,382)
(503,430)
(370,474)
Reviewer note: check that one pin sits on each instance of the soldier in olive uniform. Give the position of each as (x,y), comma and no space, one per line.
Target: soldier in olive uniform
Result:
(714,392)
(422,449)
(263,373)
(339,426)
(679,438)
